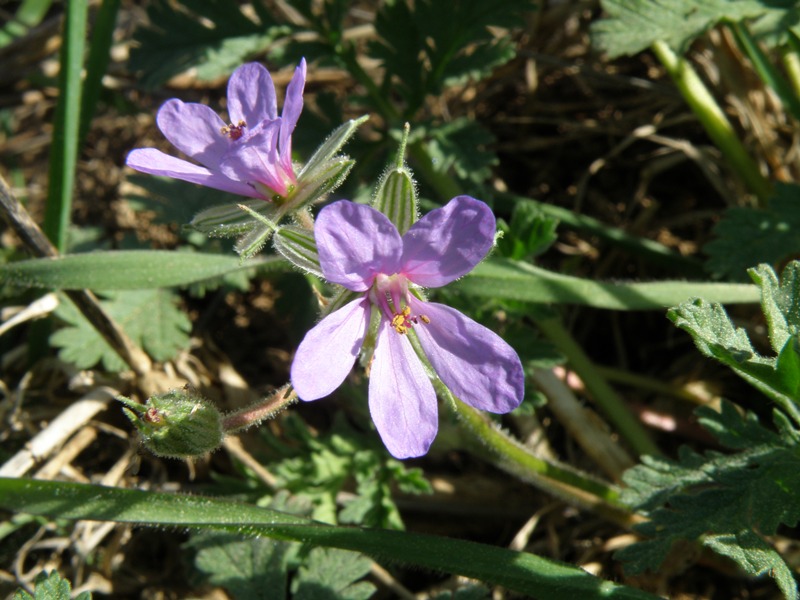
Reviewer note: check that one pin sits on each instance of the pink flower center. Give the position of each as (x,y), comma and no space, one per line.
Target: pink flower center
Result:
(390,293)
(233,131)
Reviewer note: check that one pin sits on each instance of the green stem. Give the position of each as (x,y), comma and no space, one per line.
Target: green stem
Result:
(66,126)
(608,400)
(791,62)
(713,119)
(97,61)
(575,487)
(766,71)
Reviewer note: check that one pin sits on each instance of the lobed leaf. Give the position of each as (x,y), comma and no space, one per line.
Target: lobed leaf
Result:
(721,500)
(149,317)
(212,35)
(633,25)
(746,237)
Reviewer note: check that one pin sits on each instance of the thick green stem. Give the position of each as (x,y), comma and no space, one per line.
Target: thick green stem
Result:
(791,62)
(607,399)
(716,124)
(64,150)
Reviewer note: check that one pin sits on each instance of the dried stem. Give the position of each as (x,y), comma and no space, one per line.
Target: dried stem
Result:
(37,244)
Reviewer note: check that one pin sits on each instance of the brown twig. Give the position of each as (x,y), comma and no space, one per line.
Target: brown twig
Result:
(37,244)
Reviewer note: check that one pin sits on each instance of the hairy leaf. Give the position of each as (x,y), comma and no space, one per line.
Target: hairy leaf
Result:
(717,337)
(633,25)
(451,40)
(726,501)
(332,574)
(746,237)
(51,586)
(249,568)
(213,35)
(149,317)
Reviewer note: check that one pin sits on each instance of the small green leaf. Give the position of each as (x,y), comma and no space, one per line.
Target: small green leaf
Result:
(755,557)
(780,302)
(529,233)
(462,145)
(212,35)
(151,319)
(633,25)
(717,337)
(248,568)
(51,586)
(331,574)
(746,237)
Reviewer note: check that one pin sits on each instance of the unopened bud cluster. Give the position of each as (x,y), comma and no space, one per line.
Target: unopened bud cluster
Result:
(177,424)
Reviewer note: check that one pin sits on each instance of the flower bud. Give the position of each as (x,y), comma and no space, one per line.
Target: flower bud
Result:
(177,424)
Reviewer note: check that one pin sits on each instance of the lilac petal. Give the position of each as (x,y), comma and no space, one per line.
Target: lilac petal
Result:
(327,353)
(401,397)
(251,95)
(155,162)
(255,159)
(448,242)
(474,362)
(355,243)
(292,107)
(194,129)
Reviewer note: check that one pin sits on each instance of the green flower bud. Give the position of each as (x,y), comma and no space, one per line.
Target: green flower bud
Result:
(177,424)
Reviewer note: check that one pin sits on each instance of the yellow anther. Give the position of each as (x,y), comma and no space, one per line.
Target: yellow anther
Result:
(425,319)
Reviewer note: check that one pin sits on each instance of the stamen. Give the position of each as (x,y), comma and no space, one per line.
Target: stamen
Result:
(233,131)
(402,322)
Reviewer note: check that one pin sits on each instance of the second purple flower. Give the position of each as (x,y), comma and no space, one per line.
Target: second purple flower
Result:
(360,249)
(251,155)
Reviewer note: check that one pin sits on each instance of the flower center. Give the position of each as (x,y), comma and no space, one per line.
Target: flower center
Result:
(390,294)
(233,131)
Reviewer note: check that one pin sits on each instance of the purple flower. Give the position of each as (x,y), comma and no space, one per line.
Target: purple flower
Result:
(360,249)
(249,156)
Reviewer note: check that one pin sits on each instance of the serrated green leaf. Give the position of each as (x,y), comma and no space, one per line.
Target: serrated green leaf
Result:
(780,302)
(51,586)
(529,233)
(451,40)
(755,557)
(462,145)
(746,237)
(249,568)
(633,25)
(715,335)
(212,35)
(719,499)
(331,574)
(151,319)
